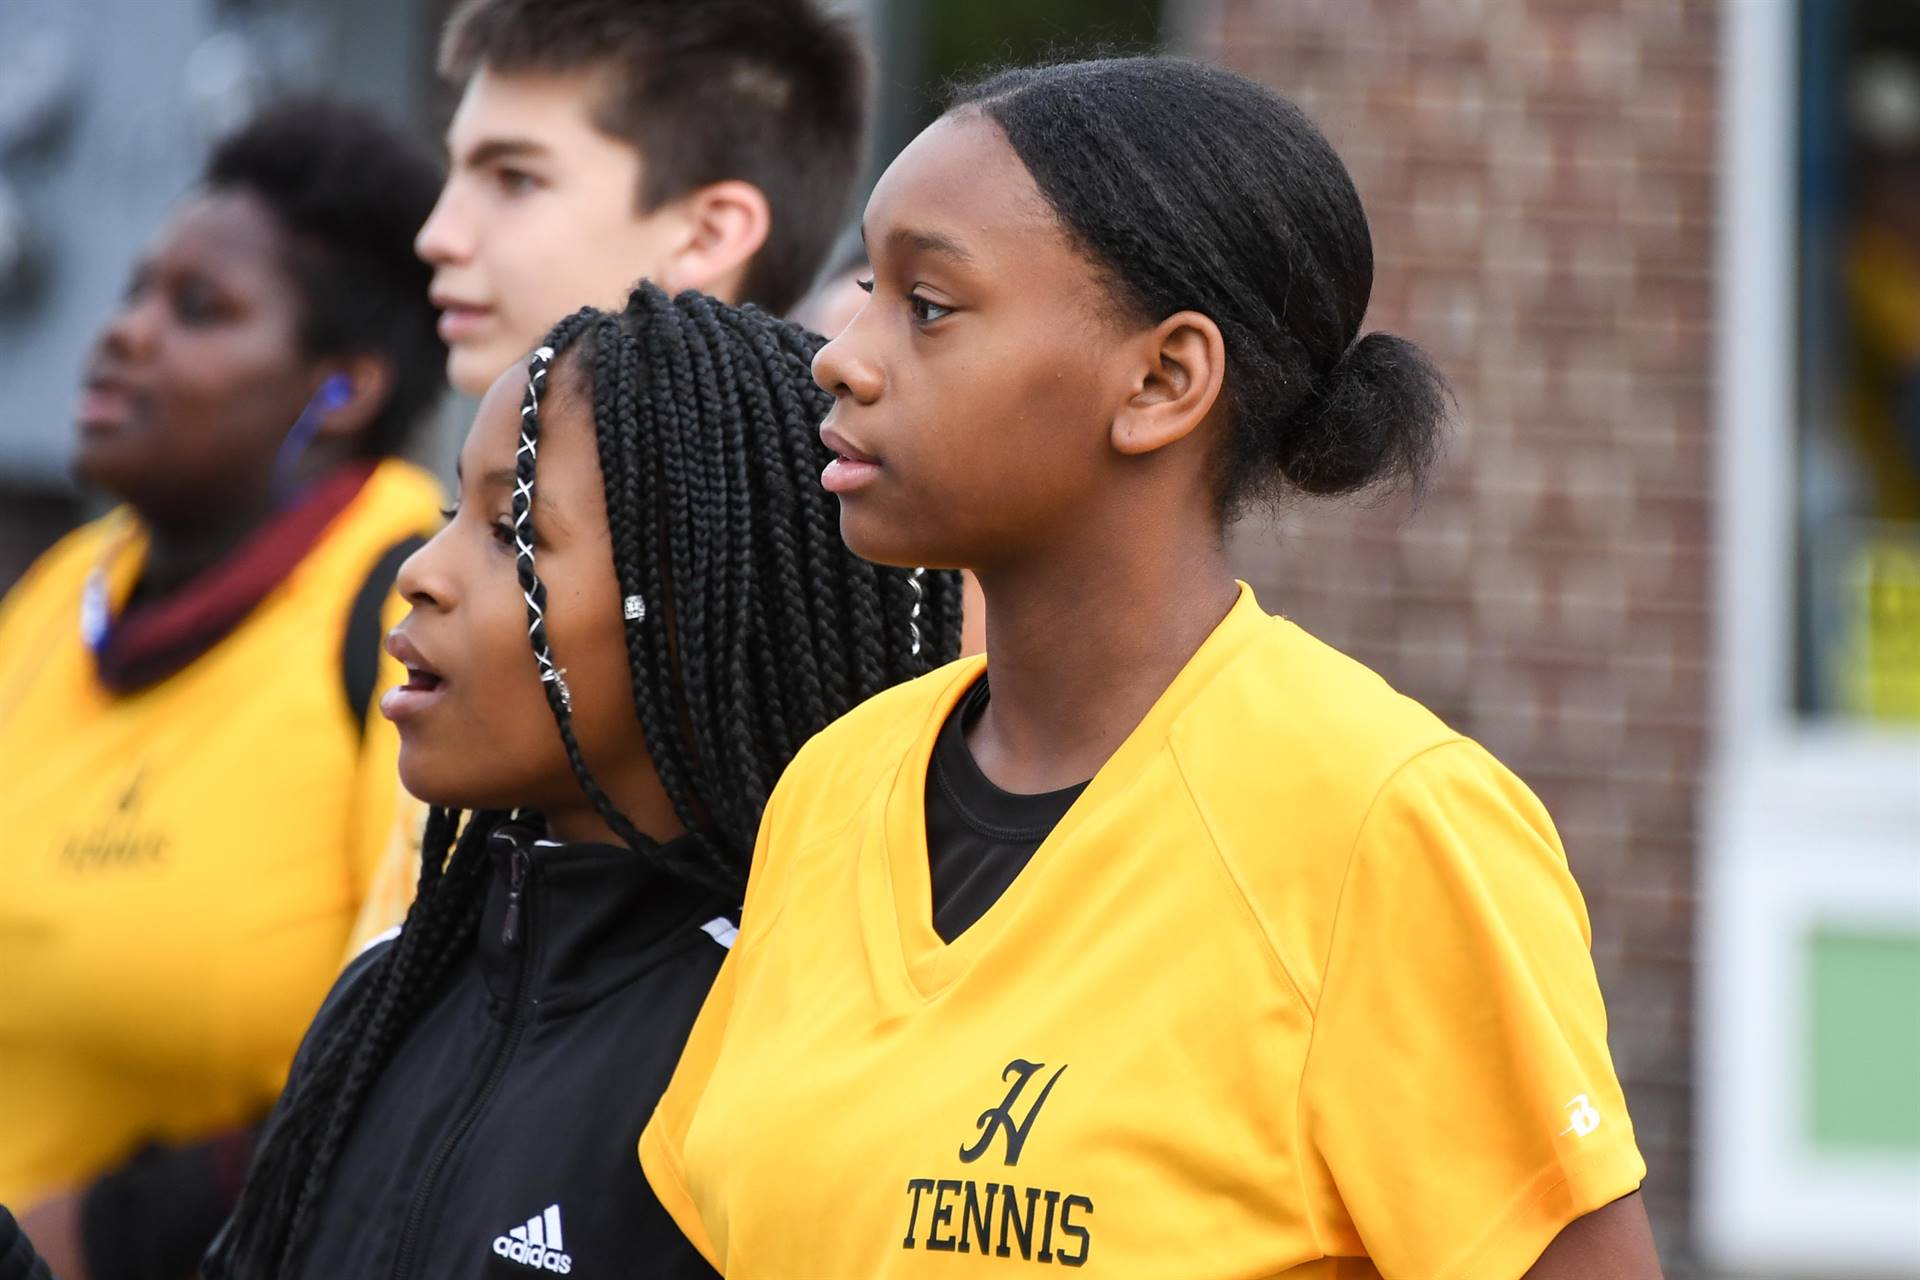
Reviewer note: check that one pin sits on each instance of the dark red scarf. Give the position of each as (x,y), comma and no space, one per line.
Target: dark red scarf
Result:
(155,638)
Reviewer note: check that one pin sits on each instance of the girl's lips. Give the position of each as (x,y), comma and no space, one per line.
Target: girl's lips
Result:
(424,686)
(459,323)
(850,470)
(848,475)
(106,405)
(414,698)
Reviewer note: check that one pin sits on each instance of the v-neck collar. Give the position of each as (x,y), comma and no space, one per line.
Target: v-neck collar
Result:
(910,959)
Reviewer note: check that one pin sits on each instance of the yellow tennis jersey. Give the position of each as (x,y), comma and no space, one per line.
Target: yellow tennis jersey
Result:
(395,875)
(181,863)
(1300,987)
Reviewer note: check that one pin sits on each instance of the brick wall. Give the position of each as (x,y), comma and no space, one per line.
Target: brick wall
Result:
(1539,174)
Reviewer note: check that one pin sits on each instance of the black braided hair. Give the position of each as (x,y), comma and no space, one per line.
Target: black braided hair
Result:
(707,421)
(759,628)
(275,1214)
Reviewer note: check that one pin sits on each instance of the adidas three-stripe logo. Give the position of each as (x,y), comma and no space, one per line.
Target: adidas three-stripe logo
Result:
(537,1243)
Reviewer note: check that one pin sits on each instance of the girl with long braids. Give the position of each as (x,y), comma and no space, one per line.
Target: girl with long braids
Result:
(1163,941)
(640,508)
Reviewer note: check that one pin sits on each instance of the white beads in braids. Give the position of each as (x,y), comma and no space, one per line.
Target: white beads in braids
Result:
(522,530)
(913,615)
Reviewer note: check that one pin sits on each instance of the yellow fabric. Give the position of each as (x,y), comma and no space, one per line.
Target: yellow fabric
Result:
(181,864)
(1883,286)
(1299,986)
(396,873)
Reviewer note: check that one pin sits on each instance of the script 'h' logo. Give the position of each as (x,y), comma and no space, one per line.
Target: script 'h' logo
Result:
(994,1119)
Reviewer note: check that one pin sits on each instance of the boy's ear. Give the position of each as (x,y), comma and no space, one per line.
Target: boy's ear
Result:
(726,224)
(1178,369)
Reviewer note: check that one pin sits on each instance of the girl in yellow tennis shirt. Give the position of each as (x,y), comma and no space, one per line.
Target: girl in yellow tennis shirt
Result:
(1298,983)
(195,782)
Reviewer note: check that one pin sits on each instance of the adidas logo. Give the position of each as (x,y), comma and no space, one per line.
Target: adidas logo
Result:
(537,1243)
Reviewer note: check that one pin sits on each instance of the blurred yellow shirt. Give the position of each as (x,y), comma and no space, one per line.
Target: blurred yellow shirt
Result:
(182,863)
(396,872)
(1299,986)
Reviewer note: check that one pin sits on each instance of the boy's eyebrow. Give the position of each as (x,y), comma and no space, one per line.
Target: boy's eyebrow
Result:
(492,150)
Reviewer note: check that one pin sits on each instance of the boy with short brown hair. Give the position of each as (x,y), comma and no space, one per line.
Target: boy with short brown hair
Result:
(709,146)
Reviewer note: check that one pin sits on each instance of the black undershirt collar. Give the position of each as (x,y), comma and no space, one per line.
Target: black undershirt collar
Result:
(979,837)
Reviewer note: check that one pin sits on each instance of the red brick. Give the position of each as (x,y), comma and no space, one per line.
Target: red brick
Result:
(1540,176)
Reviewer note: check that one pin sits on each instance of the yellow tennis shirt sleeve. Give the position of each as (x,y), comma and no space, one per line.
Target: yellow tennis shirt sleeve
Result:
(663,1143)
(665,1136)
(1458,1104)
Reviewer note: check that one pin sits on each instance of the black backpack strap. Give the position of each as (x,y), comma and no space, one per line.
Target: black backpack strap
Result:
(360,648)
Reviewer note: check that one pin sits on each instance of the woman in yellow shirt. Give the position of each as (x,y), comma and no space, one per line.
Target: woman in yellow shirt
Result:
(195,785)
(1163,941)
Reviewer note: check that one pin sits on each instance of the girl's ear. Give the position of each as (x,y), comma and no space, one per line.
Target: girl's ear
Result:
(355,391)
(1181,367)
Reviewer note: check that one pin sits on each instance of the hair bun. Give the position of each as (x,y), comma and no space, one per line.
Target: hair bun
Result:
(1379,415)
(1196,189)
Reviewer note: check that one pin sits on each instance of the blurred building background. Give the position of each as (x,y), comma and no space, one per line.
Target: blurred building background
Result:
(1668,250)
(1670,253)
(1540,178)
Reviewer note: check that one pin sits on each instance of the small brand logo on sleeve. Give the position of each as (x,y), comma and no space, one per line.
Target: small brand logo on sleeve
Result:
(537,1243)
(1582,1119)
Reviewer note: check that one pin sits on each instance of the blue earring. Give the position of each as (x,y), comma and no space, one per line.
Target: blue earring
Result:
(332,396)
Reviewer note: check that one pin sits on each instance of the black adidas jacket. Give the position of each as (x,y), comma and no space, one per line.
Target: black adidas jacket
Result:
(18,1261)
(501,1140)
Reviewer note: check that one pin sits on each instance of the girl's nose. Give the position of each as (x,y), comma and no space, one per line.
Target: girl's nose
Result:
(844,369)
(423,581)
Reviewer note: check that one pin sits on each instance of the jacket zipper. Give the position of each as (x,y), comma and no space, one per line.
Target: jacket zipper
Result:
(512,934)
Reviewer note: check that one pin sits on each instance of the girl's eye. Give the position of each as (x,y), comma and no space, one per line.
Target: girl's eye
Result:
(866,286)
(196,303)
(925,310)
(503,533)
(448,513)
(516,182)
